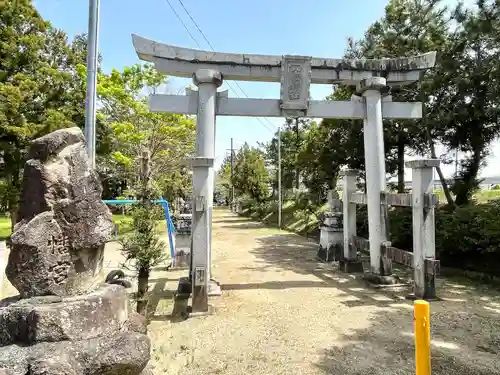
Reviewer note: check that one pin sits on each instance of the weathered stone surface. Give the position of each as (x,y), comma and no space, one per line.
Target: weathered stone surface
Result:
(136,323)
(57,245)
(41,319)
(66,321)
(52,365)
(125,353)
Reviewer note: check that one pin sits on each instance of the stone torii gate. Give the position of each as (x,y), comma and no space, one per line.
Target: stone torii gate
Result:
(296,74)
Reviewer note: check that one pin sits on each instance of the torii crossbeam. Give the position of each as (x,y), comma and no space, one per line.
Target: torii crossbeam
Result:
(296,74)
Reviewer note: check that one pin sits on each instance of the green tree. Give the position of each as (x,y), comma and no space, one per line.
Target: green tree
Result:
(250,175)
(168,138)
(459,95)
(464,111)
(293,137)
(408,28)
(39,88)
(223,179)
(143,246)
(149,151)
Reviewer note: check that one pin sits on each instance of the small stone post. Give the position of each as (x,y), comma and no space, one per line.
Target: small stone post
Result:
(350,261)
(208,81)
(424,239)
(370,89)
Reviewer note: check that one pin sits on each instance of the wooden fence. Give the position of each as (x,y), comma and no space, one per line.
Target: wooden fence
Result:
(423,202)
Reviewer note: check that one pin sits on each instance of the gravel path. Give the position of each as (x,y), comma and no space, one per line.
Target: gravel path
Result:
(282,312)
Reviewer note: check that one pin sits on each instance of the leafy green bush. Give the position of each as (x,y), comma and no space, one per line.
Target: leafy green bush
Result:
(469,237)
(466,238)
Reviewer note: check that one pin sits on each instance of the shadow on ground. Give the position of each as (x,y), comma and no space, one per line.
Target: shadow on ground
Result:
(465,326)
(244,225)
(228,220)
(161,299)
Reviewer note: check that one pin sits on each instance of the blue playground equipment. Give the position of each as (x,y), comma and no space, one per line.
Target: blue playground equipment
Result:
(168,219)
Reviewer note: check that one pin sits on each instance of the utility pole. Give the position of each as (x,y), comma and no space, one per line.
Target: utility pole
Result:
(232,168)
(279,177)
(90,105)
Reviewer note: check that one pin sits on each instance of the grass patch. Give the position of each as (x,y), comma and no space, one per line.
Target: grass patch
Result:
(293,218)
(480,196)
(124,225)
(4,227)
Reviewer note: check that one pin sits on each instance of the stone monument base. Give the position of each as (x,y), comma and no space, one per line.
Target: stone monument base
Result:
(327,254)
(351,266)
(181,261)
(182,258)
(86,334)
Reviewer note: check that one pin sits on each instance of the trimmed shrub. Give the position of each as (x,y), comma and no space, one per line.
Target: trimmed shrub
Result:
(467,238)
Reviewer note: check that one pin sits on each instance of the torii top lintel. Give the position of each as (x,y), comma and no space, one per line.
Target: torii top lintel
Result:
(184,62)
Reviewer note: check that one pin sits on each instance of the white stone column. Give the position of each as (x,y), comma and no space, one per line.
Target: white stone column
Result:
(208,81)
(424,238)
(349,212)
(370,89)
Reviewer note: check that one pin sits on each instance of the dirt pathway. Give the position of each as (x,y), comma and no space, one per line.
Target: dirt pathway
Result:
(282,312)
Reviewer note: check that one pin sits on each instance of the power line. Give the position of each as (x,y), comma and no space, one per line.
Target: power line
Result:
(182,22)
(213,49)
(196,25)
(205,37)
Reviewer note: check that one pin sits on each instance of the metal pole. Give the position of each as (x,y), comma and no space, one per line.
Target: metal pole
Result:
(90,105)
(232,186)
(279,177)
(422,328)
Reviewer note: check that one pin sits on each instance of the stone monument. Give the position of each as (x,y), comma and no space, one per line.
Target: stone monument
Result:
(331,230)
(66,319)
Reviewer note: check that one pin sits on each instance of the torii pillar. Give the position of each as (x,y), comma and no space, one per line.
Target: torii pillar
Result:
(371,90)
(208,81)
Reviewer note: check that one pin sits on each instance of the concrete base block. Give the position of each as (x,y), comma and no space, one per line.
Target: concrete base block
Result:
(351,266)
(214,289)
(325,255)
(211,311)
(334,253)
(184,287)
(182,260)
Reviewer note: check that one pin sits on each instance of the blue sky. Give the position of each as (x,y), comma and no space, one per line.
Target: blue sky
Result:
(279,27)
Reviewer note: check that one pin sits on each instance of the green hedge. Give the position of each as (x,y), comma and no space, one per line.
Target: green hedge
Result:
(467,238)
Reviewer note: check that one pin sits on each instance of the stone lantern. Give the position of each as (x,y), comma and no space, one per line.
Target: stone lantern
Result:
(331,235)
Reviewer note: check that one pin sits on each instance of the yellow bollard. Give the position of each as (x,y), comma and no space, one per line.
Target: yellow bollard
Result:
(422,329)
